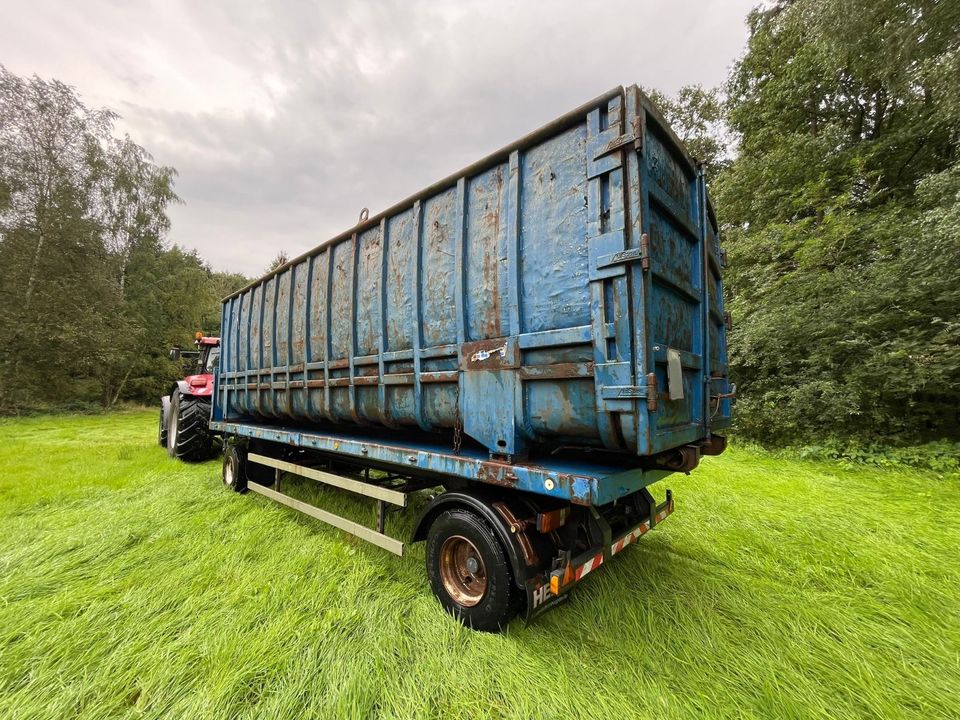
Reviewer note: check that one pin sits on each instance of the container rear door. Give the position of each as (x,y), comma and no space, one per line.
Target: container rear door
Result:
(672,314)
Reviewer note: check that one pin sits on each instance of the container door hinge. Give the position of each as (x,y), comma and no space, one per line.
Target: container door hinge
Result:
(638,254)
(651,392)
(645,251)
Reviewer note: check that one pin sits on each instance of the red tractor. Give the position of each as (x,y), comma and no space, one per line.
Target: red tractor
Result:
(185,413)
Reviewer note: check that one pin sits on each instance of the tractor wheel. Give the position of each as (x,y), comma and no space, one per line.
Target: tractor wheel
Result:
(188,432)
(469,572)
(164,421)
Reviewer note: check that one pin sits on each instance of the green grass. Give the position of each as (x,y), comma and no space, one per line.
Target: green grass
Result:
(135,586)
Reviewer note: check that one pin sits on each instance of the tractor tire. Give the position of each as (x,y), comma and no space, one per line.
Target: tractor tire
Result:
(164,421)
(188,431)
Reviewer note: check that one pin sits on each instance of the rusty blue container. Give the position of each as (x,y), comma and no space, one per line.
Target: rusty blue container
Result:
(563,292)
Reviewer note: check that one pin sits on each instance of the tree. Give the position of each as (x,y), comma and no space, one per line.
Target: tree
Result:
(279,260)
(837,214)
(54,295)
(90,296)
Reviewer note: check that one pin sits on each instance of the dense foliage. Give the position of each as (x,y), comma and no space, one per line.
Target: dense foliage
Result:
(841,211)
(90,296)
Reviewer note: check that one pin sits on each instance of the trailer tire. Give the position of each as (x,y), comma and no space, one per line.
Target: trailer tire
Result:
(234,469)
(188,433)
(164,421)
(469,572)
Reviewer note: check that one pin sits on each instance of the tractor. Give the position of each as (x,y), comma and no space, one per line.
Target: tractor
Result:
(185,413)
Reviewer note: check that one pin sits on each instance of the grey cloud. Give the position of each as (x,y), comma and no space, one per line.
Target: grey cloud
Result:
(284,119)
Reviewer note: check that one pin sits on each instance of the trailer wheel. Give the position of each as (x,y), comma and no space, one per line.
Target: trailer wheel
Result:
(188,435)
(234,469)
(469,572)
(164,420)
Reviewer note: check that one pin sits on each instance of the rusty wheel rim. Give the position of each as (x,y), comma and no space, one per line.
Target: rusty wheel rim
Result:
(462,571)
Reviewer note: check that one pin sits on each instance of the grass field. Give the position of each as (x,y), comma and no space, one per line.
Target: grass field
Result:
(135,586)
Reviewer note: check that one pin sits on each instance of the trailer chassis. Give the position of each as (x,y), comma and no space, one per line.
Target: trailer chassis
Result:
(550,542)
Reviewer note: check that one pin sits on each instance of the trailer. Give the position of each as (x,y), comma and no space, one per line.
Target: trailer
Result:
(535,340)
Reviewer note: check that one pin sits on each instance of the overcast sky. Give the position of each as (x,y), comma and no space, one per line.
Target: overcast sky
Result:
(284,119)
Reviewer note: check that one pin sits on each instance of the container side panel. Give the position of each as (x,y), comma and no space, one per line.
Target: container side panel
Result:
(298,330)
(267,336)
(282,314)
(256,326)
(368,323)
(317,340)
(400,249)
(553,245)
(486,255)
(341,326)
(562,410)
(341,301)
(298,339)
(242,356)
(437,262)
(318,308)
(268,341)
(368,293)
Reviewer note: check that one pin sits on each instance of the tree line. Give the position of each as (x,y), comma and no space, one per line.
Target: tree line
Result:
(91,295)
(832,153)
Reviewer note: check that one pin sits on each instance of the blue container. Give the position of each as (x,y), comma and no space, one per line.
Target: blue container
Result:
(562,292)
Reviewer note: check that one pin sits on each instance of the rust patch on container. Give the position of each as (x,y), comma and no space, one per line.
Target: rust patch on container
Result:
(557,371)
(491,264)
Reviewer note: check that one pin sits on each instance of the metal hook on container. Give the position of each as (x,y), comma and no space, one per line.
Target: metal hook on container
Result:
(364,216)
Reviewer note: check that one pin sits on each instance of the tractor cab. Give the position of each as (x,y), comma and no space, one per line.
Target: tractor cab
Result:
(209,355)
(206,357)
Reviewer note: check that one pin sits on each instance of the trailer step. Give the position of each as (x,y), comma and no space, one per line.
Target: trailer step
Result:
(364,533)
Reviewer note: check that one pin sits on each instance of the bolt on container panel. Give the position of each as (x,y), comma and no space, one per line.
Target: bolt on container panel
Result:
(565,290)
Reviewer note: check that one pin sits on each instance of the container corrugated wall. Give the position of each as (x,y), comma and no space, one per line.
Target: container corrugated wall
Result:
(550,294)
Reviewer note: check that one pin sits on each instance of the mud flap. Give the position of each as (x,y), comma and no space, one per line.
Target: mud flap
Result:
(540,599)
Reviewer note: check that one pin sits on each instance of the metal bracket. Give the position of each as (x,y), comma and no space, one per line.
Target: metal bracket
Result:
(639,254)
(634,137)
(623,392)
